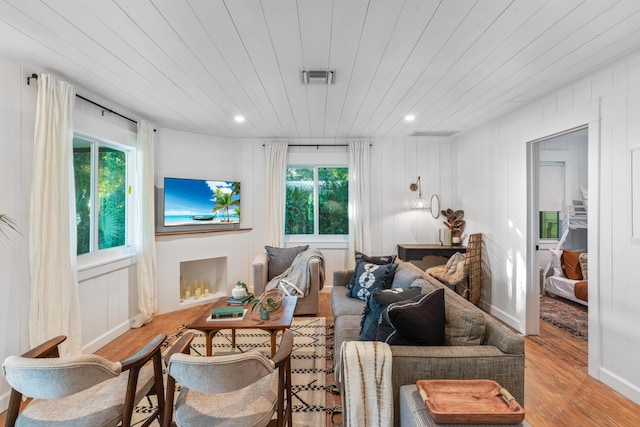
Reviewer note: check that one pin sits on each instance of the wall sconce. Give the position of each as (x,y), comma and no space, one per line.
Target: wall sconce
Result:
(420,203)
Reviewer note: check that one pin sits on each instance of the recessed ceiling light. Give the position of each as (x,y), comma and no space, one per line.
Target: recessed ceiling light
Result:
(239,119)
(409,117)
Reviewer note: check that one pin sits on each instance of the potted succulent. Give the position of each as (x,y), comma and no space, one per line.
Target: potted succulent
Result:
(455,223)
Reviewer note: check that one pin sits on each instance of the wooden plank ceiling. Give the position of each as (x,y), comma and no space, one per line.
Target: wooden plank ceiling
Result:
(195,64)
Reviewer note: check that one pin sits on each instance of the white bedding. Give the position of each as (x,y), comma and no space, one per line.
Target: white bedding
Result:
(562,287)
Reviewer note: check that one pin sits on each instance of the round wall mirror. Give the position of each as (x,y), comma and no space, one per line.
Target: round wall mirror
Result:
(434,202)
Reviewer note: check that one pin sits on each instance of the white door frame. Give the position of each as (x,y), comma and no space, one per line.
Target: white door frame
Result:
(588,115)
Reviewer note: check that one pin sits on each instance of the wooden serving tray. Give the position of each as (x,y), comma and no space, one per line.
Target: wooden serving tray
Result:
(469,402)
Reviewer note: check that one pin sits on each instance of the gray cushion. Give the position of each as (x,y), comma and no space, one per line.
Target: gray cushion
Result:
(346,328)
(342,304)
(232,408)
(423,285)
(404,277)
(281,258)
(100,405)
(465,323)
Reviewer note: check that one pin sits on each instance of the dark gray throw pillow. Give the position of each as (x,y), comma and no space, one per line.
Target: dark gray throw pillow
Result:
(418,321)
(281,258)
(377,302)
(369,277)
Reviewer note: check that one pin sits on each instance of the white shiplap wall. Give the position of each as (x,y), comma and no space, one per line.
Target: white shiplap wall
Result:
(17,115)
(395,163)
(106,300)
(493,185)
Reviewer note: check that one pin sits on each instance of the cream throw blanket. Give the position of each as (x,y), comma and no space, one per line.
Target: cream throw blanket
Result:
(365,374)
(295,279)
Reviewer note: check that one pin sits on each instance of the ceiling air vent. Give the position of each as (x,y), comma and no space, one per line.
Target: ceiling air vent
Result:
(318,77)
(440,133)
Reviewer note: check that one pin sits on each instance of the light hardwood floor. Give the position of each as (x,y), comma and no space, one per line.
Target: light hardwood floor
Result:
(558,391)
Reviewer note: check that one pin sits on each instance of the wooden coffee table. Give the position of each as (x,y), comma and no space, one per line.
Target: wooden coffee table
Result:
(278,321)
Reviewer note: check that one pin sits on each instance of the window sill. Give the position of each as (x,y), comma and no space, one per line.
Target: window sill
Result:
(324,242)
(93,265)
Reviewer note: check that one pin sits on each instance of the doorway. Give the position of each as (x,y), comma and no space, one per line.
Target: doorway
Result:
(561,204)
(587,117)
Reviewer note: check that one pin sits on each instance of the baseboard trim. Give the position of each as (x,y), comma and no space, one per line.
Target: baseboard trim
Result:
(503,316)
(106,338)
(620,385)
(4,400)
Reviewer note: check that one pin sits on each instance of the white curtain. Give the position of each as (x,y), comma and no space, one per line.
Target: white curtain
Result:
(359,197)
(145,227)
(275,191)
(54,308)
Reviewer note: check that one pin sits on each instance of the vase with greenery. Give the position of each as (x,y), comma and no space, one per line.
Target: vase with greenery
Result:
(269,301)
(455,223)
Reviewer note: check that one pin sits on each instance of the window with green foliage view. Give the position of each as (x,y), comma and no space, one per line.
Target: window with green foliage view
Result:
(317,201)
(100,173)
(549,224)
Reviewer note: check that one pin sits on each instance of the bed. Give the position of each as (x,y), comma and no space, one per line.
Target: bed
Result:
(567,273)
(574,290)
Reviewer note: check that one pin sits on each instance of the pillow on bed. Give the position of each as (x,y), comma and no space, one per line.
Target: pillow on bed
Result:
(556,262)
(571,264)
(584,265)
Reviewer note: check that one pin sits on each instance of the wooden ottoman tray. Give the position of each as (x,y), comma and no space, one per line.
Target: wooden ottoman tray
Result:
(469,402)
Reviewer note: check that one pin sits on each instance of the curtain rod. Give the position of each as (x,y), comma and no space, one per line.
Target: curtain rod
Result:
(318,145)
(35,76)
(106,109)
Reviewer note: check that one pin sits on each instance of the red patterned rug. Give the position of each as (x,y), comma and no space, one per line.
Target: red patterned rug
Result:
(566,315)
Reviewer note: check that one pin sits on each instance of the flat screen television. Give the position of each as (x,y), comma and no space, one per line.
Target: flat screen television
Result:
(199,202)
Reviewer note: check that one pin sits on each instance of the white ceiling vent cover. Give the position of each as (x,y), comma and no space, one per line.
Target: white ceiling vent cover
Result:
(325,77)
(440,133)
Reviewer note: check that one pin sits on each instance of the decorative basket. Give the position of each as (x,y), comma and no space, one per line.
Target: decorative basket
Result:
(271,299)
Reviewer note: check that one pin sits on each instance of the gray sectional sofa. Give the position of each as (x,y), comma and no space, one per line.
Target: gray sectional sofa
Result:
(477,346)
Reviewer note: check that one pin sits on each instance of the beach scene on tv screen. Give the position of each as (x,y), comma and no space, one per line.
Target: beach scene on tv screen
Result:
(200,202)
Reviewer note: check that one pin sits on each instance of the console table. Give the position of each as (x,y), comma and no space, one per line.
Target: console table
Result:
(415,252)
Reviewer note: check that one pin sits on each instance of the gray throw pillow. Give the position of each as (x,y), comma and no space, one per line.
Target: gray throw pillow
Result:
(404,277)
(281,258)
(465,323)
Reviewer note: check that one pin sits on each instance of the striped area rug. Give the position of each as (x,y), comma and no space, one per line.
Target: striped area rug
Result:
(308,365)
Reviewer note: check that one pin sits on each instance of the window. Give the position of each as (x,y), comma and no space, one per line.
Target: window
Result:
(317,201)
(100,172)
(549,221)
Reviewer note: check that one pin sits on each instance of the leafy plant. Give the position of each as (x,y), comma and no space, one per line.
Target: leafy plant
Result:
(455,221)
(5,222)
(269,300)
